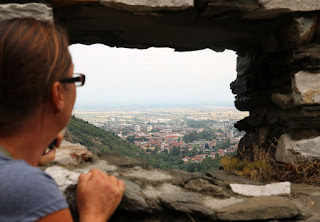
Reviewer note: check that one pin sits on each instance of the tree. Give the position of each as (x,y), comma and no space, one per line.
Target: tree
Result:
(131,139)
(175,151)
(185,150)
(189,138)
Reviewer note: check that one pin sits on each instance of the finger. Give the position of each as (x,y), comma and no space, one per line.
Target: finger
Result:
(122,186)
(84,178)
(52,152)
(113,179)
(47,157)
(96,173)
(59,138)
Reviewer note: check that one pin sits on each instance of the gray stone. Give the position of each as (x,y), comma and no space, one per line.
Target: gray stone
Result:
(133,200)
(226,177)
(306,88)
(123,161)
(214,203)
(273,8)
(187,203)
(35,10)
(308,57)
(245,60)
(284,101)
(265,190)
(185,197)
(151,175)
(300,31)
(220,7)
(154,192)
(241,85)
(260,208)
(63,177)
(294,151)
(99,164)
(201,185)
(148,5)
(69,154)
(161,25)
(153,201)
(291,5)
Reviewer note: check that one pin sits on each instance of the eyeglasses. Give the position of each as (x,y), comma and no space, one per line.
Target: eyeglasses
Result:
(78,79)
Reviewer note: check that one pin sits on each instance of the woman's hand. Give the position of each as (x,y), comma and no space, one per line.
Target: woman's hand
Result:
(98,195)
(47,157)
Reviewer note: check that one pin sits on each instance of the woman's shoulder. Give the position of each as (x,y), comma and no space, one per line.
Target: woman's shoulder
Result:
(19,176)
(20,170)
(27,190)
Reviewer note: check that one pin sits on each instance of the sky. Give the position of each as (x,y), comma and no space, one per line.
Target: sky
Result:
(154,76)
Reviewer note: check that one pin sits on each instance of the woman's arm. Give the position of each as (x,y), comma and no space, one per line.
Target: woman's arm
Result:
(98,196)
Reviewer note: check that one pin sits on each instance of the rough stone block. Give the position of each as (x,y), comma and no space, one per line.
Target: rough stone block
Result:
(35,10)
(273,8)
(260,208)
(132,199)
(307,56)
(300,31)
(62,176)
(204,186)
(245,60)
(294,151)
(282,100)
(306,88)
(258,190)
(214,203)
(220,7)
(147,5)
(291,5)
(72,154)
(154,175)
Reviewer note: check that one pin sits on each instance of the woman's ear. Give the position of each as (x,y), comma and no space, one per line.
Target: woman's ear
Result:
(57,96)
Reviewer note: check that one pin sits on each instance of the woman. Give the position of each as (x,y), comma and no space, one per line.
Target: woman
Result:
(37,94)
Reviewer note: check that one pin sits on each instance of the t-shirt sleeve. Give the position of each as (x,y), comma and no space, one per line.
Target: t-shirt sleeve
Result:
(33,195)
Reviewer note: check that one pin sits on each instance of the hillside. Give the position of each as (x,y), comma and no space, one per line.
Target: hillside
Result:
(98,140)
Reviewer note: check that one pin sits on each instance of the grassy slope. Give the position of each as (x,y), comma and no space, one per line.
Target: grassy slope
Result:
(98,140)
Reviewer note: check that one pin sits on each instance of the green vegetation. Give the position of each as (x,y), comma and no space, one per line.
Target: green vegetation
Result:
(194,136)
(98,140)
(170,161)
(200,124)
(206,165)
(101,141)
(224,145)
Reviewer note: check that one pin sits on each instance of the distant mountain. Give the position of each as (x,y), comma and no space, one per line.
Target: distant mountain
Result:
(98,140)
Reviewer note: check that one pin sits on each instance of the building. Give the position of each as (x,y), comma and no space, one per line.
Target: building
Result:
(137,128)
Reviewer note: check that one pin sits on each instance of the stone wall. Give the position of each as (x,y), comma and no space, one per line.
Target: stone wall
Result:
(279,85)
(160,196)
(277,44)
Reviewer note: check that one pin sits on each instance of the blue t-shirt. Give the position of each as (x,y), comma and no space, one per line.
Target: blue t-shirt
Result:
(26,193)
